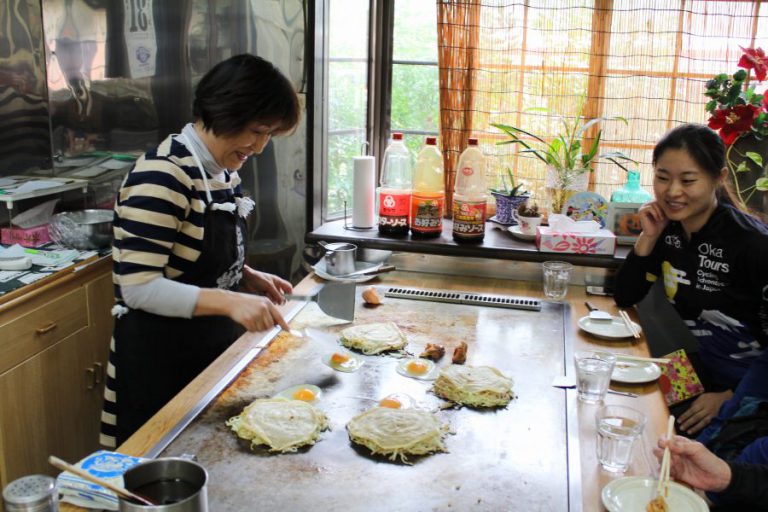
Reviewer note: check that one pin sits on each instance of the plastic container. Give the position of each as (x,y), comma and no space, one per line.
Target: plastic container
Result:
(395,188)
(33,493)
(470,196)
(631,192)
(428,195)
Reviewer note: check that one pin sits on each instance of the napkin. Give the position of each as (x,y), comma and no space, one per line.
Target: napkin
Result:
(103,464)
(563,224)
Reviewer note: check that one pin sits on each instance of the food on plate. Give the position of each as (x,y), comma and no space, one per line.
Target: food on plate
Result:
(281,425)
(423,369)
(460,353)
(433,351)
(304,392)
(398,433)
(478,386)
(371,296)
(374,338)
(657,504)
(343,361)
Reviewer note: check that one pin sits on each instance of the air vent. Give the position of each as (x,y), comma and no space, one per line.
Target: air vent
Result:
(475,299)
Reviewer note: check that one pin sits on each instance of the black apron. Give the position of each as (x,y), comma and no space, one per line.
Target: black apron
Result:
(155,356)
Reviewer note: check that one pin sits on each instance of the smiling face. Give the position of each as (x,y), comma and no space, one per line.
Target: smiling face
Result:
(685,191)
(232,151)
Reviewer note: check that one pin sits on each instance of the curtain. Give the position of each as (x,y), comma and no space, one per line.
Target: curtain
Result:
(528,64)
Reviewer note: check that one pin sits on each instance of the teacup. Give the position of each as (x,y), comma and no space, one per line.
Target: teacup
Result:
(340,258)
(527,225)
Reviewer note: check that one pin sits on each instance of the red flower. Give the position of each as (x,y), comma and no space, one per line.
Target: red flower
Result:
(732,122)
(754,58)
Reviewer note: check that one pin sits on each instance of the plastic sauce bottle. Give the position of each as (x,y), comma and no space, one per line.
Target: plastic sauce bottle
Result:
(395,188)
(632,192)
(469,197)
(428,196)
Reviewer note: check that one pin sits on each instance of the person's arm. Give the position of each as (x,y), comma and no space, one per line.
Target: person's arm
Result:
(162,296)
(253,312)
(749,484)
(692,463)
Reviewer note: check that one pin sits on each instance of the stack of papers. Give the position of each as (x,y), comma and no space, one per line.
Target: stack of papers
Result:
(108,466)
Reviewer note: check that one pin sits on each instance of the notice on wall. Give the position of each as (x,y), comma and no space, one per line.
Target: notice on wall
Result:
(140,40)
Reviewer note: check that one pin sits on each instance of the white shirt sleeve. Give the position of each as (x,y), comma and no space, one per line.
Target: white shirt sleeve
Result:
(162,296)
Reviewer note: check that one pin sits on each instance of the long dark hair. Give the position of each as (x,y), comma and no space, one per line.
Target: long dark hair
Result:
(245,89)
(706,148)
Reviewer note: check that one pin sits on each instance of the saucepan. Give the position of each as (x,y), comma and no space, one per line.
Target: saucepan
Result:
(340,258)
(175,484)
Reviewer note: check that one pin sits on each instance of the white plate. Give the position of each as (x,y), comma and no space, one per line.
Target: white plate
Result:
(632,494)
(360,266)
(635,372)
(613,330)
(515,230)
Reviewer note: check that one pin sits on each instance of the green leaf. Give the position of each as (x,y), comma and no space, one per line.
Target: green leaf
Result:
(755,157)
(761,184)
(742,167)
(740,75)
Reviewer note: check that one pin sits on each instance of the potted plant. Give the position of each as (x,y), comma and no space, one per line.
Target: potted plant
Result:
(529,217)
(509,198)
(567,160)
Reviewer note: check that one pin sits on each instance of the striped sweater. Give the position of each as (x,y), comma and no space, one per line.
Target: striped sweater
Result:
(158,224)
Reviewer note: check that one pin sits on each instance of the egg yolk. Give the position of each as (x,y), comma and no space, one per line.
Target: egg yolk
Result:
(417,368)
(303,394)
(337,358)
(391,403)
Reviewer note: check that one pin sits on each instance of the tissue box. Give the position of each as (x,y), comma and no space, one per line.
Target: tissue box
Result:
(602,241)
(26,237)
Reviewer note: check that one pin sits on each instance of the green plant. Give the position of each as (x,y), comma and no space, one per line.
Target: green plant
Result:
(510,190)
(528,210)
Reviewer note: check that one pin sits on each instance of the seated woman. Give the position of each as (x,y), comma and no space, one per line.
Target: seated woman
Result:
(711,257)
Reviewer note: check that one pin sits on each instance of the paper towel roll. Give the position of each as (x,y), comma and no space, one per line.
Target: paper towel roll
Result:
(364,192)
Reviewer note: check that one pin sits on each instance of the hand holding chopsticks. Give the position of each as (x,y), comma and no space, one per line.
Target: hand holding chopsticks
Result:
(629,324)
(658,503)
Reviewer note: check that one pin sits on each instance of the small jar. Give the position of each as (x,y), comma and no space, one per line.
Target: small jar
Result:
(33,493)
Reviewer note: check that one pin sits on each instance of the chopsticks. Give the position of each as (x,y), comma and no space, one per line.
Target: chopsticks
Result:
(665,461)
(629,324)
(628,357)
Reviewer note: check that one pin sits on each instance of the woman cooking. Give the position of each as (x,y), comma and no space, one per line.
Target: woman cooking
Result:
(179,245)
(712,259)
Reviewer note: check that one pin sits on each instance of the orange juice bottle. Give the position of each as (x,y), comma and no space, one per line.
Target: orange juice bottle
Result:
(428,195)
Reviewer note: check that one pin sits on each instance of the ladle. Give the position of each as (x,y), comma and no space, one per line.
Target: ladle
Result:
(121,491)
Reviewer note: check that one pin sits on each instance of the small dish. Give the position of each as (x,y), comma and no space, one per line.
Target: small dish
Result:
(305,392)
(343,361)
(632,493)
(360,266)
(417,368)
(517,233)
(607,330)
(635,372)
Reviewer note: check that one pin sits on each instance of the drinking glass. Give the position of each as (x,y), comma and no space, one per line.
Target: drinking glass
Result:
(593,374)
(556,276)
(618,427)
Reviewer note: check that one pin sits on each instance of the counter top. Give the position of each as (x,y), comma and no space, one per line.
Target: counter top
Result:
(498,244)
(592,478)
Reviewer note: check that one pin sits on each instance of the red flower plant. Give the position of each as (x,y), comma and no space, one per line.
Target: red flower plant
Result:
(733,122)
(754,58)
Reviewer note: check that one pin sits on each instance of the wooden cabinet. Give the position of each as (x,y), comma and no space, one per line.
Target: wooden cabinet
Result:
(54,344)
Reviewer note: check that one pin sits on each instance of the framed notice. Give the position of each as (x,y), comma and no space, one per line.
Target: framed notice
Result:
(624,221)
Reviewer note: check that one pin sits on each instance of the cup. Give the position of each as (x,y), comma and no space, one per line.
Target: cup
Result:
(175,484)
(556,277)
(593,374)
(527,225)
(340,258)
(618,427)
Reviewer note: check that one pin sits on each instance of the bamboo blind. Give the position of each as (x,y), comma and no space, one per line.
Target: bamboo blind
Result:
(644,60)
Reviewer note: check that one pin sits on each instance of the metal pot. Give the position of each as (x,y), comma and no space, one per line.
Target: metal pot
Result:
(340,258)
(176,484)
(83,229)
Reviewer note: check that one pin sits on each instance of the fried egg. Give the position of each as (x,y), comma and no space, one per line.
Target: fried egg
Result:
(305,392)
(343,361)
(417,368)
(396,401)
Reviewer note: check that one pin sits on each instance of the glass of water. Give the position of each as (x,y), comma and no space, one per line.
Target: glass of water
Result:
(618,427)
(556,275)
(593,374)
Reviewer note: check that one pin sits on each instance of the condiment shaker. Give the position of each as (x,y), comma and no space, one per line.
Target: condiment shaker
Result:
(33,493)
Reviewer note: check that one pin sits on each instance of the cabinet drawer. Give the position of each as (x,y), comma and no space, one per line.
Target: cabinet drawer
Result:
(26,335)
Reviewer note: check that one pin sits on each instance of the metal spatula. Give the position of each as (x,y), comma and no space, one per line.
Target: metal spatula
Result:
(333,299)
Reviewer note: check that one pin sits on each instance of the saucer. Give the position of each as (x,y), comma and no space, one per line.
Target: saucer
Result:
(517,233)
(360,266)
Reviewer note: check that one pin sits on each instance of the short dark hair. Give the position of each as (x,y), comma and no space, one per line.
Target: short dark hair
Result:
(245,89)
(706,148)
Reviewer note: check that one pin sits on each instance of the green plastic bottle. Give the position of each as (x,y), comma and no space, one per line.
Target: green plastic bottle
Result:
(632,192)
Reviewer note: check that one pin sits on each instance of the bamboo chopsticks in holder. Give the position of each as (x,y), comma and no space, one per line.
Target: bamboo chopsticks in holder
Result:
(663,488)
(629,324)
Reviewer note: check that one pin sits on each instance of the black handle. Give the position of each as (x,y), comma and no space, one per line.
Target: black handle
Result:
(590,306)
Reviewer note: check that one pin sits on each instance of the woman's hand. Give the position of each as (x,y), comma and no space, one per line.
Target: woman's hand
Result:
(269,284)
(694,465)
(652,221)
(702,411)
(253,312)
